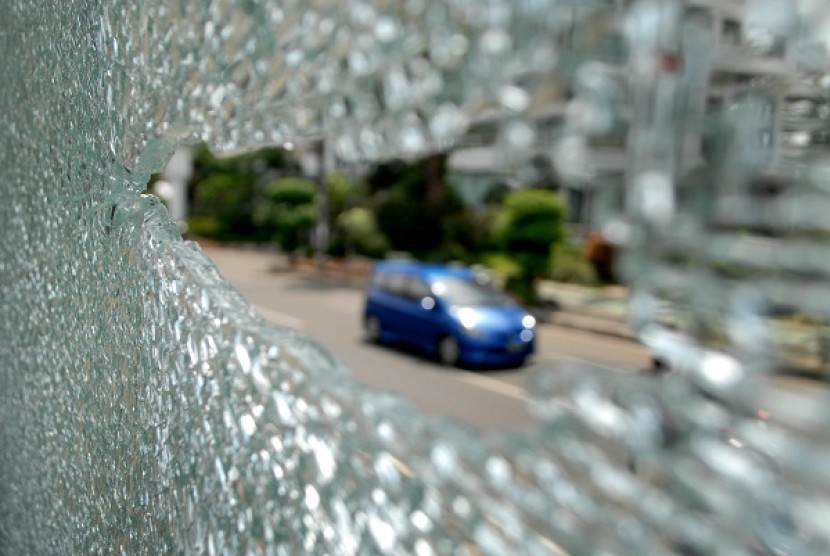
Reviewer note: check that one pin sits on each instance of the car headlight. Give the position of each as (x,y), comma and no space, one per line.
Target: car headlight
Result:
(528,321)
(468,317)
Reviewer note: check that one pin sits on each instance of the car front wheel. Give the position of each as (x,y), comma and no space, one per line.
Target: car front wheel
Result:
(372,329)
(449,352)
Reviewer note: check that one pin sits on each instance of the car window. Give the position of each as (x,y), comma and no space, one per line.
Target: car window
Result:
(380,279)
(417,289)
(458,291)
(396,283)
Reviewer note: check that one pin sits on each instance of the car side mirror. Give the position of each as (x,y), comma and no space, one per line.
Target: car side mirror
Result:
(428,303)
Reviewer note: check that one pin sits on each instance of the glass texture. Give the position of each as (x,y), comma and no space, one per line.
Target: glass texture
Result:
(145,407)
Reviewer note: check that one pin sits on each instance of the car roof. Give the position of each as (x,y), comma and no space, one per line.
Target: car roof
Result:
(427,271)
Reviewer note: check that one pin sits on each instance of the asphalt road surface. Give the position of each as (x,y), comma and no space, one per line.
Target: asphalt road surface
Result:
(330,312)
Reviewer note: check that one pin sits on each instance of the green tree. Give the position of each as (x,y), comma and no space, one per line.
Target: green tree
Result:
(529,227)
(225,192)
(344,193)
(222,207)
(360,229)
(417,210)
(290,211)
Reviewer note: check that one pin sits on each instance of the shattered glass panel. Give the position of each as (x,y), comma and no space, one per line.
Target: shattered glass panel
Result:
(146,408)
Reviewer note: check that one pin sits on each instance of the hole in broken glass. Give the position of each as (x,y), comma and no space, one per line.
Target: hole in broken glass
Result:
(170,384)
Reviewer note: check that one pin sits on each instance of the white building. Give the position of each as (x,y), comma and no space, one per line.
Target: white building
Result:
(741,63)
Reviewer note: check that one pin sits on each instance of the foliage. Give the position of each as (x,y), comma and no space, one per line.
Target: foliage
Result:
(410,223)
(344,194)
(403,205)
(529,227)
(227,200)
(255,162)
(406,176)
(504,267)
(360,229)
(421,214)
(467,234)
(204,226)
(224,192)
(290,211)
(496,194)
(569,264)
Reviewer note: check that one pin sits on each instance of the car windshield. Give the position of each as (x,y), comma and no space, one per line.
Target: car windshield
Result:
(469,293)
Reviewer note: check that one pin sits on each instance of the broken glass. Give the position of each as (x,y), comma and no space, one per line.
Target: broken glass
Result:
(146,408)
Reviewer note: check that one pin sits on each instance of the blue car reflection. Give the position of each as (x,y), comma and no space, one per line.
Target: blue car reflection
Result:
(455,313)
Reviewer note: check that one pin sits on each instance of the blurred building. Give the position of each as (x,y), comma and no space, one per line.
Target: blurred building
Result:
(739,66)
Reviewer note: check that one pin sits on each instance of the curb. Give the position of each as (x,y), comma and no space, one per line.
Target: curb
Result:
(588,323)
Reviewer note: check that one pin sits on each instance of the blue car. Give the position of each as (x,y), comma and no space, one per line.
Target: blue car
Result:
(454,313)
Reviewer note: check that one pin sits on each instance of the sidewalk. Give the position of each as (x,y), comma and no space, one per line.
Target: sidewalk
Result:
(597,310)
(804,347)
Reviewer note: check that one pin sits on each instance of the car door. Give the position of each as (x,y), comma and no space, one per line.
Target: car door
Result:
(392,305)
(423,318)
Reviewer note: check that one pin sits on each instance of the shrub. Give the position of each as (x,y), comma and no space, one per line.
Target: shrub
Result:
(569,264)
(360,229)
(529,227)
(225,192)
(225,200)
(504,267)
(204,226)
(290,211)
(415,224)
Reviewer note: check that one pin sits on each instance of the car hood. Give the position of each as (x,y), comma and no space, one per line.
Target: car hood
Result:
(503,317)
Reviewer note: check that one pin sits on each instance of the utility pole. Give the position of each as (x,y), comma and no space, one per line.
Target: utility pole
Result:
(173,185)
(321,230)
(436,172)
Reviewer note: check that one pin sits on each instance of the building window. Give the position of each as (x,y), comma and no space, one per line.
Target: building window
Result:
(731,33)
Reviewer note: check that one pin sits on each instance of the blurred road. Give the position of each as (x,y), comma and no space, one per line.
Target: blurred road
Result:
(330,312)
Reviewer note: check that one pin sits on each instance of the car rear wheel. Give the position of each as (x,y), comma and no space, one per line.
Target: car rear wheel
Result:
(449,352)
(371,326)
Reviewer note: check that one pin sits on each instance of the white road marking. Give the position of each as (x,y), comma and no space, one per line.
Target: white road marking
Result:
(554,357)
(281,319)
(493,385)
(518,392)
(555,548)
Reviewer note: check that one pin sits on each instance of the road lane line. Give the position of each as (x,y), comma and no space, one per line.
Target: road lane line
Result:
(518,392)
(493,385)
(275,317)
(555,548)
(558,357)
